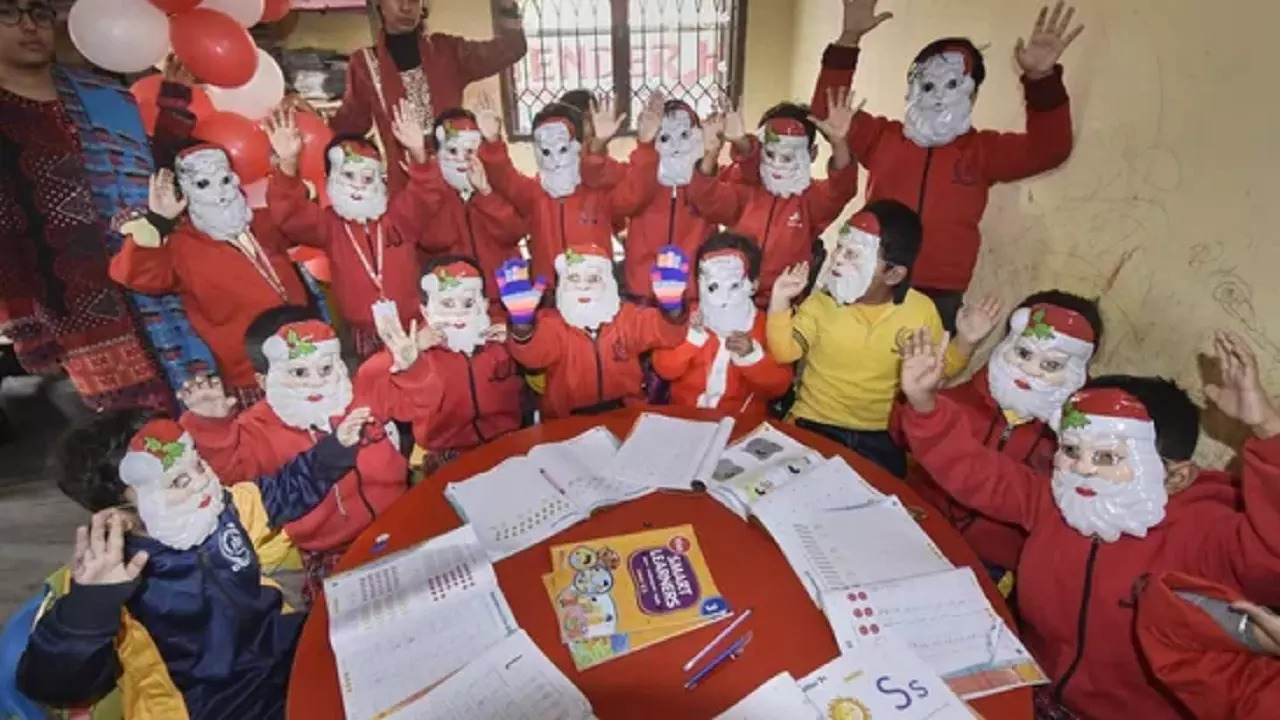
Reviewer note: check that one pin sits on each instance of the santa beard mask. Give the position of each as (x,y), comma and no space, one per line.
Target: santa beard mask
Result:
(1095,506)
(559,158)
(182,518)
(216,205)
(1025,395)
(457,149)
(301,404)
(725,295)
(786,166)
(679,146)
(357,187)
(460,314)
(587,296)
(854,265)
(939,101)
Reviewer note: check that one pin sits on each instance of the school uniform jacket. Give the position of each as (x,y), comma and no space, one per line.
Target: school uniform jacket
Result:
(705,374)
(480,398)
(485,228)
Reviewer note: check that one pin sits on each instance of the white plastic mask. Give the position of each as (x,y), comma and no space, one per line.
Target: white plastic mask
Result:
(853,266)
(308,392)
(939,100)
(786,167)
(215,204)
(357,186)
(182,510)
(726,295)
(679,146)
(1109,484)
(460,311)
(559,158)
(456,150)
(587,293)
(1033,371)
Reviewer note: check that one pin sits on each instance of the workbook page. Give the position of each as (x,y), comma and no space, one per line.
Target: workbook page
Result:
(830,485)
(581,468)
(780,697)
(513,506)
(669,453)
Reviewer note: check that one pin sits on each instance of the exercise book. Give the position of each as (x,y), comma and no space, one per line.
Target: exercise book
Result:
(668,453)
(779,698)
(758,464)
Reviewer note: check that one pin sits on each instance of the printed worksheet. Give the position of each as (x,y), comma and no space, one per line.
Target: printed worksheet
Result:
(779,697)
(670,453)
(830,485)
(760,463)
(404,622)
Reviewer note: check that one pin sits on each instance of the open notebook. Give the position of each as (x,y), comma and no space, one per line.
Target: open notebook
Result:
(668,453)
(527,499)
(829,484)
(756,465)
(404,622)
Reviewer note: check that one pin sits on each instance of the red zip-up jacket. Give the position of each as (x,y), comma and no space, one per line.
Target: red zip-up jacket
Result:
(583,217)
(1077,594)
(1032,443)
(949,185)
(1212,673)
(479,398)
(594,370)
(750,382)
(486,228)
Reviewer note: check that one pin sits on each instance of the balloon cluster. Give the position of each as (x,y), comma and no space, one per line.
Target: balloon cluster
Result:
(241,83)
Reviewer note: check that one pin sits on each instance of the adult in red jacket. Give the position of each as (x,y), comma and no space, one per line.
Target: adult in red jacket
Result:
(1215,652)
(473,221)
(429,70)
(934,161)
(227,262)
(481,390)
(723,362)
(590,343)
(1124,500)
(370,239)
(1010,403)
(308,390)
(788,210)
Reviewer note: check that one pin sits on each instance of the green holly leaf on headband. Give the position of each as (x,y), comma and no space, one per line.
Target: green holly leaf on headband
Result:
(1072,418)
(572,257)
(169,453)
(449,132)
(299,346)
(771,135)
(447,281)
(1038,328)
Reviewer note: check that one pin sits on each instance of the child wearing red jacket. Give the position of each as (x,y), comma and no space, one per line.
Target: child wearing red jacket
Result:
(227,262)
(473,221)
(723,362)
(934,161)
(481,390)
(369,239)
(1124,500)
(788,210)
(590,343)
(307,386)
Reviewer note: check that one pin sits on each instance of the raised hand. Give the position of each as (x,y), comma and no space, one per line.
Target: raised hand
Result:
(922,368)
(1240,396)
(1049,39)
(476,174)
(650,118)
(734,130)
(670,277)
(350,430)
(841,109)
(431,337)
(99,552)
(488,119)
(713,135)
(860,18)
(162,195)
(175,71)
(406,125)
(520,296)
(605,119)
(975,321)
(496,333)
(788,287)
(205,397)
(286,141)
(402,346)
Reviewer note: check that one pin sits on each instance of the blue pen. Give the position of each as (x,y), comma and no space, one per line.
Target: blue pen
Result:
(731,653)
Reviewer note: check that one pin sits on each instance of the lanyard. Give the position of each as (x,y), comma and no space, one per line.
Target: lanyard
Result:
(249,246)
(373,270)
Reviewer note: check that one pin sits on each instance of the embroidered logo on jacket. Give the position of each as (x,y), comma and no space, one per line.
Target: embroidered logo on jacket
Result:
(234,549)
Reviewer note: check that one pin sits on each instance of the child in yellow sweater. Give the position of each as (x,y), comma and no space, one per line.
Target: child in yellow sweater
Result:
(848,332)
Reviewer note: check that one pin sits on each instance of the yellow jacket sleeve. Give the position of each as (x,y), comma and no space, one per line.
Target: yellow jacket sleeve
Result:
(792,333)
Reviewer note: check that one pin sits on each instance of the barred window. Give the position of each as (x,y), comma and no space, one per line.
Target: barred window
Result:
(690,50)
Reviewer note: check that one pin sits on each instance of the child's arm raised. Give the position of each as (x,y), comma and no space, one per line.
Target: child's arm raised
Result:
(495,216)
(415,206)
(719,200)
(298,487)
(672,363)
(216,430)
(518,189)
(789,335)
(534,343)
(298,217)
(839,61)
(826,199)
(144,263)
(639,182)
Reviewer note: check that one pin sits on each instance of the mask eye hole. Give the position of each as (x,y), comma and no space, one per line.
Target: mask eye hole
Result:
(952,84)
(1051,366)
(202,183)
(1022,353)
(299,373)
(546,152)
(1072,451)
(713,287)
(929,87)
(665,137)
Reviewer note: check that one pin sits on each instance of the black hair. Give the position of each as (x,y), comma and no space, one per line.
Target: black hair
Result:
(1177,419)
(979,70)
(88,458)
(167,157)
(561,110)
(900,239)
(1086,308)
(268,323)
(733,241)
(443,260)
(456,113)
(793,111)
(344,138)
(580,100)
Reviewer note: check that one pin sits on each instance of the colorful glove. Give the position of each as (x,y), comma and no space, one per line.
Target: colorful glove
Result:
(519,295)
(670,277)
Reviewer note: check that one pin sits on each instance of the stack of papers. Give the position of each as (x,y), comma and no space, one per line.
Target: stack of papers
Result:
(758,464)
(667,453)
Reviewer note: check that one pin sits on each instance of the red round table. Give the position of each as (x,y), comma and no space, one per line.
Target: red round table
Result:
(790,632)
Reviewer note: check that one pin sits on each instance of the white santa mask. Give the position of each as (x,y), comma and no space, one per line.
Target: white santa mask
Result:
(1041,362)
(307,383)
(456,306)
(786,163)
(726,294)
(854,262)
(679,146)
(215,203)
(559,158)
(1108,478)
(457,146)
(587,292)
(357,183)
(179,498)
(939,100)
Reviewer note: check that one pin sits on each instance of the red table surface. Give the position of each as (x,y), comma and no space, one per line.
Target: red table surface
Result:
(790,632)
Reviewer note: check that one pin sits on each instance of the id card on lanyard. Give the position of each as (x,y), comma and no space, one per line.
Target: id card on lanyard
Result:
(383,306)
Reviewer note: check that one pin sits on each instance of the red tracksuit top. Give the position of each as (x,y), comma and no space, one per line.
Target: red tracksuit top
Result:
(949,185)
(486,228)
(257,442)
(220,287)
(479,398)
(1077,594)
(1211,672)
(590,370)
(751,382)
(583,217)
(1032,443)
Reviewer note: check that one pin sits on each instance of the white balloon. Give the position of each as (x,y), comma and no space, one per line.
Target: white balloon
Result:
(124,36)
(245,12)
(256,98)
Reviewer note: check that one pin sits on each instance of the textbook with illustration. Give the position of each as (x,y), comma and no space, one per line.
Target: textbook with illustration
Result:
(763,461)
(628,584)
(527,499)
(668,453)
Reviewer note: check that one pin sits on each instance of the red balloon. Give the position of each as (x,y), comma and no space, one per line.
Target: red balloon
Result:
(244,141)
(171,7)
(214,47)
(273,10)
(316,135)
(147,92)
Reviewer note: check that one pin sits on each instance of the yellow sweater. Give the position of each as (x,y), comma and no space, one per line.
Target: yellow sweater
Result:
(851,369)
